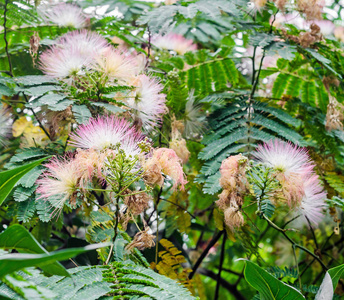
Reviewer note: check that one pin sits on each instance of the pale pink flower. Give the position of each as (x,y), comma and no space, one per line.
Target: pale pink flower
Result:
(147,101)
(59,182)
(88,43)
(64,15)
(233,173)
(313,201)
(73,54)
(339,33)
(105,133)
(284,157)
(292,165)
(63,63)
(116,64)
(166,161)
(174,42)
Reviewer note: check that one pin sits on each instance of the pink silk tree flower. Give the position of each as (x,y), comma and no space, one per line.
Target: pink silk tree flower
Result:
(116,64)
(88,43)
(166,161)
(64,15)
(147,101)
(62,63)
(174,42)
(292,165)
(73,54)
(106,132)
(313,201)
(284,157)
(59,182)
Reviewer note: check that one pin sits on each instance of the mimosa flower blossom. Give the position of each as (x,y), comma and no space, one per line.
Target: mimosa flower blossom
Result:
(284,157)
(59,182)
(292,165)
(62,63)
(174,42)
(72,54)
(165,161)
(106,132)
(88,43)
(313,201)
(65,15)
(116,65)
(147,101)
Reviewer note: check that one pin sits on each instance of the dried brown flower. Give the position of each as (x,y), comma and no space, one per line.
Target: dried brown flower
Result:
(178,143)
(233,218)
(136,203)
(281,4)
(311,8)
(34,46)
(142,240)
(334,115)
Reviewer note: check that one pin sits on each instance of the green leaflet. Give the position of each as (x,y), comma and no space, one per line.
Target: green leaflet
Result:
(19,238)
(268,286)
(9,178)
(17,261)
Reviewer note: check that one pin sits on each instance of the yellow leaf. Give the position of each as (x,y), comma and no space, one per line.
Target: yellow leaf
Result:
(219,219)
(20,125)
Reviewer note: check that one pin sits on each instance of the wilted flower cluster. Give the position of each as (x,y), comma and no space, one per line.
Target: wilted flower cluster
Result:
(84,60)
(234,183)
(174,42)
(294,170)
(312,9)
(166,161)
(178,143)
(334,115)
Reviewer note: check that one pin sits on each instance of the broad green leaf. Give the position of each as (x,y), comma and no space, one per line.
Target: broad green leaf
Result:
(9,178)
(17,261)
(329,283)
(19,238)
(268,286)
(336,273)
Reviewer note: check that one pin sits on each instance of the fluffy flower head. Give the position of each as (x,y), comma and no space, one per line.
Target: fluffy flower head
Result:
(65,15)
(175,42)
(284,157)
(147,101)
(164,160)
(59,182)
(233,175)
(116,65)
(106,132)
(313,201)
(62,63)
(87,43)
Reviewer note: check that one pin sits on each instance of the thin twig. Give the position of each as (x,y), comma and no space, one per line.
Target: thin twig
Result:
(222,258)
(6,42)
(205,253)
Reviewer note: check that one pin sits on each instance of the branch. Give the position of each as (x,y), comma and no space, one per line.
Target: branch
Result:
(283,231)
(205,253)
(6,42)
(222,258)
(228,286)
